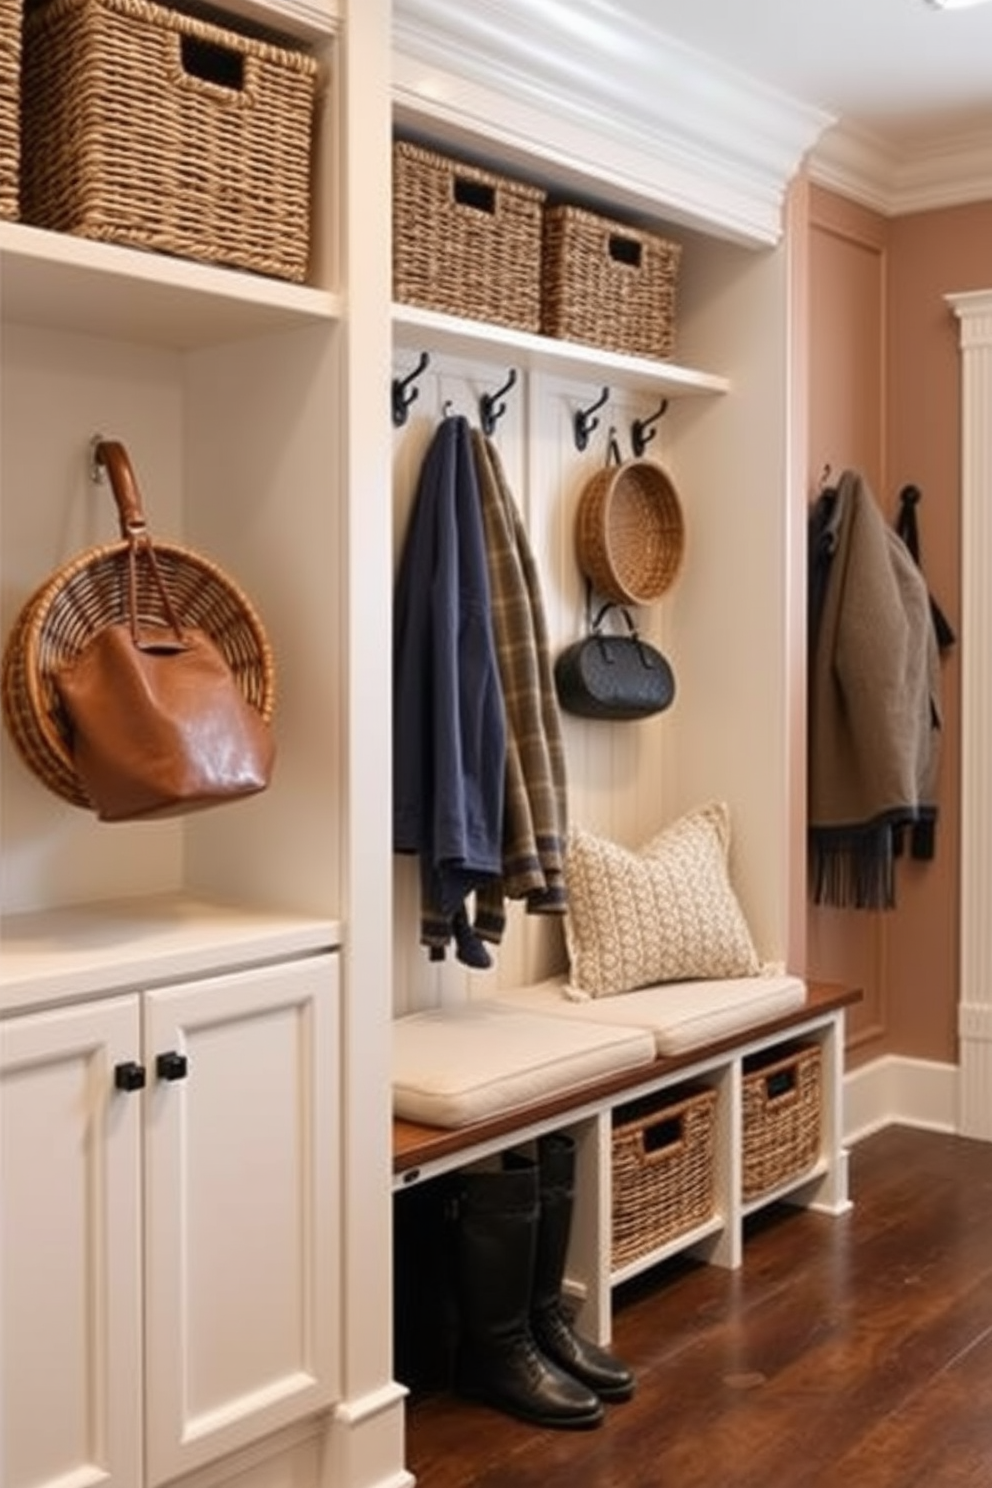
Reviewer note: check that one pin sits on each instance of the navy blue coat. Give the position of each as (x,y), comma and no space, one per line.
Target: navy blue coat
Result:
(449,732)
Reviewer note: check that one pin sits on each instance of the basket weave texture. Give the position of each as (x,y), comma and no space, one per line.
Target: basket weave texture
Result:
(663,1171)
(90,592)
(782,1104)
(608,284)
(629,532)
(10,106)
(465,241)
(128,139)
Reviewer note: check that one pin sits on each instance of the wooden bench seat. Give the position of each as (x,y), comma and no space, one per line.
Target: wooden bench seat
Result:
(416,1145)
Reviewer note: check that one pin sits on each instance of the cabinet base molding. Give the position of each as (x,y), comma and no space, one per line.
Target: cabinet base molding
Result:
(287,1459)
(365,1441)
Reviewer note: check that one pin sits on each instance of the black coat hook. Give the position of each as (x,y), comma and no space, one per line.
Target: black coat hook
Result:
(402,398)
(642,431)
(491,410)
(584,423)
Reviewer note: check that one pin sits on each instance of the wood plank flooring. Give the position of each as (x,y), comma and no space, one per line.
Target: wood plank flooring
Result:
(851,1352)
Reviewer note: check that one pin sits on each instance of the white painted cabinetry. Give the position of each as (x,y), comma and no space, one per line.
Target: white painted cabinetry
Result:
(168,1256)
(173,1257)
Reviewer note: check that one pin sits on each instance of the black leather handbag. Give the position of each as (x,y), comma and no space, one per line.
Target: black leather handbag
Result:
(611,676)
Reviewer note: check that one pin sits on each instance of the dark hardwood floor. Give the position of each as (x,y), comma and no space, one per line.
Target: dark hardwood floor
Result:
(846,1353)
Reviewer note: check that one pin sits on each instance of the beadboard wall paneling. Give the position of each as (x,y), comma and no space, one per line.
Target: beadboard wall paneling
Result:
(616,772)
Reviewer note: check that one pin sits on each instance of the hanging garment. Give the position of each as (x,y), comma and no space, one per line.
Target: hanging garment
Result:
(449,737)
(874,698)
(535,820)
(908,529)
(922,843)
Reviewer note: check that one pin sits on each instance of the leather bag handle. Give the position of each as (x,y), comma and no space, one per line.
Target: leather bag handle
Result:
(112,455)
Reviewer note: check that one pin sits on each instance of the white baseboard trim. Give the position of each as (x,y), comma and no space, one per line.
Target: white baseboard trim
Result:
(896,1091)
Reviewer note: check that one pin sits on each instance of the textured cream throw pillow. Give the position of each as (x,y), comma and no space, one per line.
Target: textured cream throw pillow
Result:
(664,913)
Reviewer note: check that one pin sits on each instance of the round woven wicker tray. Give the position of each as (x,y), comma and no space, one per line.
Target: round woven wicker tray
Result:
(629,532)
(90,592)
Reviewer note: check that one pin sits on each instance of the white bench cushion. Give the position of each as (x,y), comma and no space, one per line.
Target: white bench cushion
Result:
(679,1015)
(459,1064)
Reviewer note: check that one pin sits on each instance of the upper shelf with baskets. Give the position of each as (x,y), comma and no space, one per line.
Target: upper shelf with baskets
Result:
(164,171)
(414,327)
(487,264)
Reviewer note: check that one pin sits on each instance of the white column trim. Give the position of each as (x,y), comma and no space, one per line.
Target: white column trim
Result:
(974,311)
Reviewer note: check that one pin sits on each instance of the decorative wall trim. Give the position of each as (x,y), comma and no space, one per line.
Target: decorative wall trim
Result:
(946,173)
(974,311)
(893,1091)
(624,109)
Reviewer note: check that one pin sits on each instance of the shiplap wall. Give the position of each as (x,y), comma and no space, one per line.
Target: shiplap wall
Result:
(616,771)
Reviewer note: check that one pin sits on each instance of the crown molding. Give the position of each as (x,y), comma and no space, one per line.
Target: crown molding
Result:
(924,176)
(625,113)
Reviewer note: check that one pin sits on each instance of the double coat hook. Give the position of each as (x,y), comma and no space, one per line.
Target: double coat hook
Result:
(642,431)
(404,394)
(491,409)
(584,423)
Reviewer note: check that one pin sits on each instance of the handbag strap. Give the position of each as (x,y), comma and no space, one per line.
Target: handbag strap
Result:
(595,625)
(112,455)
(594,622)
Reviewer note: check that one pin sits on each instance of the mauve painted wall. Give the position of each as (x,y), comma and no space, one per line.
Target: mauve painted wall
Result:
(884,398)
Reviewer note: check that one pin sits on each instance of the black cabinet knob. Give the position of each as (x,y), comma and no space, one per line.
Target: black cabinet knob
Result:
(172,1065)
(129,1075)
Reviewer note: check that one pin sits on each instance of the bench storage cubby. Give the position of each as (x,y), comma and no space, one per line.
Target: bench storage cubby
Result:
(591,1112)
(782,1098)
(663,1170)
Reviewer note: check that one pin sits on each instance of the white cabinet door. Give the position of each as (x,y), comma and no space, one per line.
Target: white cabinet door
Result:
(241,1188)
(70,1315)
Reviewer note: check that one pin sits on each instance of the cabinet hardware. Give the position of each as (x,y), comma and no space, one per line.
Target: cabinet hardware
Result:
(171,1065)
(129,1075)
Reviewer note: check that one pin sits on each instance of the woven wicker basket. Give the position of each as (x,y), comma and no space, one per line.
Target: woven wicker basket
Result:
(629,532)
(90,592)
(465,241)
(10,107)
(148,128)
(783,1102)
(608,284)
(663,1170)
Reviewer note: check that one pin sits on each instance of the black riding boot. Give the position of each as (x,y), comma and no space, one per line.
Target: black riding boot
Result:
(498,1360)
(550,1325)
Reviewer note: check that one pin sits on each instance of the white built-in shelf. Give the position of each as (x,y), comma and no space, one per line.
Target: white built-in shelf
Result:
(427,330)
(57,281)
(88,950)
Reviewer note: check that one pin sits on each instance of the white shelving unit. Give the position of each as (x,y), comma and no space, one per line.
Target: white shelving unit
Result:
(181,1001)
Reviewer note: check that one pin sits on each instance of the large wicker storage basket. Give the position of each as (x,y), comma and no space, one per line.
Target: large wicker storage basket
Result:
(146,127)
(663,1170)
(783,1100)
(465,241)
(608,284)
(10,107)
